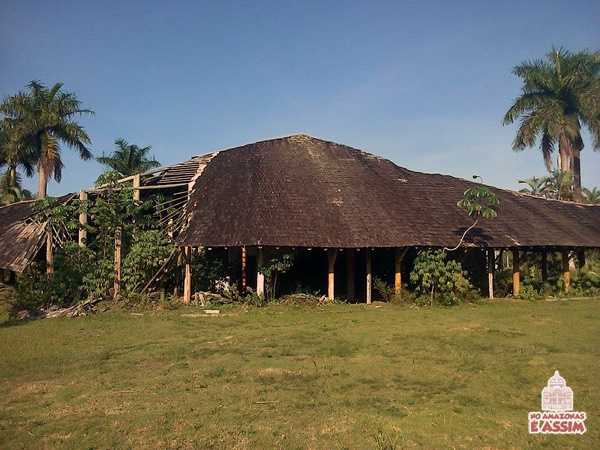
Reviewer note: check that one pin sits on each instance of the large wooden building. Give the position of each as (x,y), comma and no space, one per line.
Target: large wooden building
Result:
(309,195)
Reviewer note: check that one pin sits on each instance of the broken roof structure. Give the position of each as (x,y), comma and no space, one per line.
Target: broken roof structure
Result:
(20,238)
(301,192)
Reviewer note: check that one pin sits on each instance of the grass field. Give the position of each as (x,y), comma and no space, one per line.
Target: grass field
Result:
(342,376)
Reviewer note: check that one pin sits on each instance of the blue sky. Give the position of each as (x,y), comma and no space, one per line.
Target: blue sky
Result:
(423,83)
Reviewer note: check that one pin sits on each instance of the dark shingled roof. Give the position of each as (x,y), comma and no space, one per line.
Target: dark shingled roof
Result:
(302,191)
(19,238)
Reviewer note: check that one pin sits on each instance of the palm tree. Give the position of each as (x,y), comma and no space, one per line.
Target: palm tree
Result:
(592,195)
(11,190)
(41,119)
(535,186)
(129,159)
(13,154)
(560,94)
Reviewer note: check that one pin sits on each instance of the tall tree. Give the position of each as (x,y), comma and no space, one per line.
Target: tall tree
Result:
(559,96)
(129,159)
(41,119)
(13,155)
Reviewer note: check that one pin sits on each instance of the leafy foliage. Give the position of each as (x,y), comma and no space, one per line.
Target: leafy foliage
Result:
(148,252)
(129,159)
(207,267)
(277,265)
(479,202)
(40,119)
(438,278)
(535,186)
(592,196)
(559,186)
(559,94)
(385,291)
(11,190)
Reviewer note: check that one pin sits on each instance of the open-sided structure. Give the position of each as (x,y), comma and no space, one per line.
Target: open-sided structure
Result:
(307,194)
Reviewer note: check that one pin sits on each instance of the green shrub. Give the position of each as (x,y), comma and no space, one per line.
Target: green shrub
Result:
(529,292)
(439,279)
(149,250)
(385,291)
(207,268)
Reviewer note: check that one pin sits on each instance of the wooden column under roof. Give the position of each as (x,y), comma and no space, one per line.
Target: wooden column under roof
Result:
(331,257)
(566,270)
(83,218)
(491,262)
(516,271)
(187,279)
(244,261)
(260,276)
(398,258)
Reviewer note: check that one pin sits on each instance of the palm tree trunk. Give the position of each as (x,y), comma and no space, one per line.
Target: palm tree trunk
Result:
(576,168)
(42,179)
(570,162)
(564,151)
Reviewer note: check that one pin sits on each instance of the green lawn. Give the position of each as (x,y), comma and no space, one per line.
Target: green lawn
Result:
(342,376)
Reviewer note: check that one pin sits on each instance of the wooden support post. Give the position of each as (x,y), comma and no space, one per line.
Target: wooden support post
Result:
(516,272)
(244,270)
(398,258)
(566,271)
(187,276)
(544,265)
(369,275)
(331,256)
(350,264)
(136,181)
(49,251)
(260,276)
(117,262)
(491,263)
(83,218)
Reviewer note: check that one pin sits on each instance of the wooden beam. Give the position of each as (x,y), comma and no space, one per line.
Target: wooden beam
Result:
(141,188)
(491,263)
(187,276)
(117,262)
(260,276)
(369,275)
(350,265)
(398,258)
(544,265)
(49,251)
(136,181)
(566,270)
(83,218)
(331,256)
(516,271)
(244,270)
